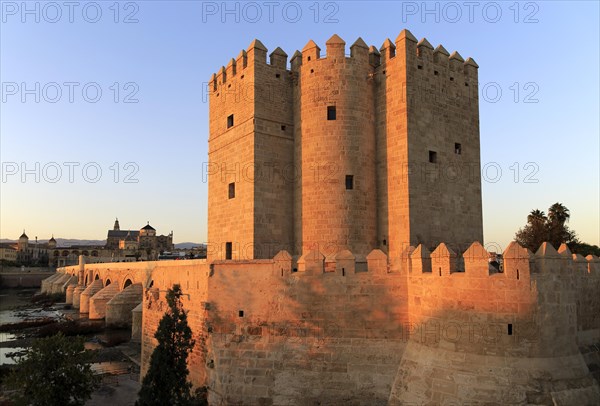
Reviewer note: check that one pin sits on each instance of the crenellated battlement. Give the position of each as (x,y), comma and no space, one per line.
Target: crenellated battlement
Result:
(254,55)
(425,56)
(516,263)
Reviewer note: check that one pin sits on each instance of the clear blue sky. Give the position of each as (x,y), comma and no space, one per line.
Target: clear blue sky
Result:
(549,51)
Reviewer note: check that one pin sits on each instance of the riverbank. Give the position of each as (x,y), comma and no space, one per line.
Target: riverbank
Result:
(25,316)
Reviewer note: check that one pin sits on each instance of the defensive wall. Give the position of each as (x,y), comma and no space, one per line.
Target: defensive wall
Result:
(446,328)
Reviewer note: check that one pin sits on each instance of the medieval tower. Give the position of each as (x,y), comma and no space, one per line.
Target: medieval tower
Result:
(375,149)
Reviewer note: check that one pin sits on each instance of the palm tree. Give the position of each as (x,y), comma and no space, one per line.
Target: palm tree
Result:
(536,216)
(558,213)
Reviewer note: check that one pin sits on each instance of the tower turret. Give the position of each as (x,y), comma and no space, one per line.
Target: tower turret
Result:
(251,172)
(335,150)
(52,242)
(116,226)
(23,243)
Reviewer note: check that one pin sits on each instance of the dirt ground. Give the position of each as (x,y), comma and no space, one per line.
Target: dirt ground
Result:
(120,390)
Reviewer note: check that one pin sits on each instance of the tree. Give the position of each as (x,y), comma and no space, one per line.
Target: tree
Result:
(558,213)
(166,382)
(55,371)
(558,232)
(551,228)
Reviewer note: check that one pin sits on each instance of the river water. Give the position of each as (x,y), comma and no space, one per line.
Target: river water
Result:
(15,307)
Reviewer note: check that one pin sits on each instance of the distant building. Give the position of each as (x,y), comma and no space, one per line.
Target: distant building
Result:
(142,243)
(121,246)
(8,252)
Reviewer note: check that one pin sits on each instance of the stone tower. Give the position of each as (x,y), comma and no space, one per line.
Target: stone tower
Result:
(23,244)
(376,149)
(428,163)
(334,122)
(251,157)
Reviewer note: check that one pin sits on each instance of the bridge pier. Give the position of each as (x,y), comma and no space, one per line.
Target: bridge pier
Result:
(77,296)
(136,323)
(47,283)
(86,295)
(119,308)
(69,293)
(100,299)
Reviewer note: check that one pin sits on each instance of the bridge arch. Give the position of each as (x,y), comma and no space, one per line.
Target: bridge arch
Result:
(127,282)
(107,282)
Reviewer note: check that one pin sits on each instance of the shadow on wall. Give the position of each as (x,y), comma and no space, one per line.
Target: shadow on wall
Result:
(313,336)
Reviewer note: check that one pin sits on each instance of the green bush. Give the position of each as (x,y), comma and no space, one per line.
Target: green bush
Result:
(55,371)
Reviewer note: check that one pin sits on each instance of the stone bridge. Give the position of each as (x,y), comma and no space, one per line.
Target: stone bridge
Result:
(104,291)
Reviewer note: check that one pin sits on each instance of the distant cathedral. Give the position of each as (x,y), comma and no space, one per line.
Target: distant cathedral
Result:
(144,239)
(121,245)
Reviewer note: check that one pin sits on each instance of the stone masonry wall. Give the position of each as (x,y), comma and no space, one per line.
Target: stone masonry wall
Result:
(431,332)
(405,137)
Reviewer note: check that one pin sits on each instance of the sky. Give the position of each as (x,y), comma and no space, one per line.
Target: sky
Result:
(104,112)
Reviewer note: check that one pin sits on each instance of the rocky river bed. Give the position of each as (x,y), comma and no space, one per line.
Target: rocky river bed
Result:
(25,316)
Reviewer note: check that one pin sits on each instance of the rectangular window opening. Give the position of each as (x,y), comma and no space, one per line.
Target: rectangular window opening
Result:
(510,329)
(282,128)
(457,148)
(241,313)
(228,250)
(432,157)
(232,190)
(230,121)
(349,182)
(331,113)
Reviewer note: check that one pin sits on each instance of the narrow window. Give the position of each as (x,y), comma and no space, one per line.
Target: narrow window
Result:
(230,121)
(232,190)
(349,182)
(451,79)
(384,242)
(419,67)
(277,75)
(510,329)
(432,157)
(457,148)
(343,272)
(517,274)
(309,59)
(241,313)
(295,270)
(282,128)
(436,73)
(466,84)
(228,249)
(330,112)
